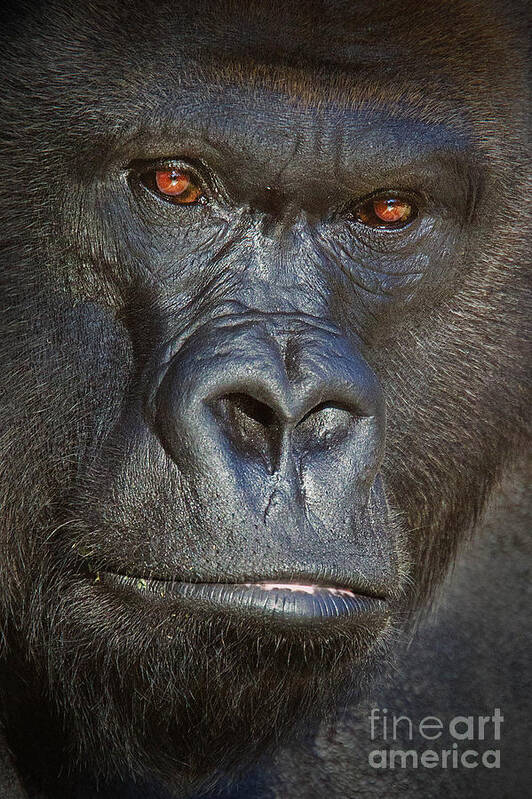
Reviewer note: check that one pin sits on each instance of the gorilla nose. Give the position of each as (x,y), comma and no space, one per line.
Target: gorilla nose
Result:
(260,431)
(262,389)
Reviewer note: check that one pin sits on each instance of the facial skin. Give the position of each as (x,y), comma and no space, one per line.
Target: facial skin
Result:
(260,324)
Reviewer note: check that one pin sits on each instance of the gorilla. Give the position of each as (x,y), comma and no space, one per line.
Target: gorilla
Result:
(264,315)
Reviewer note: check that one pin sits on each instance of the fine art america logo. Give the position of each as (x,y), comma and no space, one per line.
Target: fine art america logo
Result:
(459,742)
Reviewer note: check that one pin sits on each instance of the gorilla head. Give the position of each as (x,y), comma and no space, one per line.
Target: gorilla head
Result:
(262,358)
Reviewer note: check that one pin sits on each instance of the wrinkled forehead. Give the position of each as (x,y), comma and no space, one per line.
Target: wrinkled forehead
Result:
(355,44)
(267,58)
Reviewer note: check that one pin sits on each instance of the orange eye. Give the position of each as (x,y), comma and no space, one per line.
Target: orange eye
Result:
(385,212)
(391,210)
(177,185)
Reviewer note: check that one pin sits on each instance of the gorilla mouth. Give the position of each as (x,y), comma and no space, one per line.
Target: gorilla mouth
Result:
(288,600)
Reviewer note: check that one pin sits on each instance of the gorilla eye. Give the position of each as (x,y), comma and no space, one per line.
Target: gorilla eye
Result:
(386,212)
(177,185)
(174,184)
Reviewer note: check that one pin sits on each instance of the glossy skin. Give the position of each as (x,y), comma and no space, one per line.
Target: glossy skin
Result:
(261,385)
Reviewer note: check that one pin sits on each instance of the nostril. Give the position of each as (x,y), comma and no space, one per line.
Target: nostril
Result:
(326,425)
(252,426)
(243,405)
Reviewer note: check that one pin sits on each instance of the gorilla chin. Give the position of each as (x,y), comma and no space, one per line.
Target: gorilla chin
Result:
(132,660)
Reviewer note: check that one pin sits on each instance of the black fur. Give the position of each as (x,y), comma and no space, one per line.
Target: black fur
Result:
(296,112)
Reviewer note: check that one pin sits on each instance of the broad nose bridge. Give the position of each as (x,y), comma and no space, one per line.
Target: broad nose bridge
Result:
(262,388)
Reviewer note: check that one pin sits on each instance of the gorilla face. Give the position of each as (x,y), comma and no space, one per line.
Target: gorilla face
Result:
(261,364)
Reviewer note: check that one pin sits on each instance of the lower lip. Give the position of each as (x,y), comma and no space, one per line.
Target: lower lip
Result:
(286,600)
